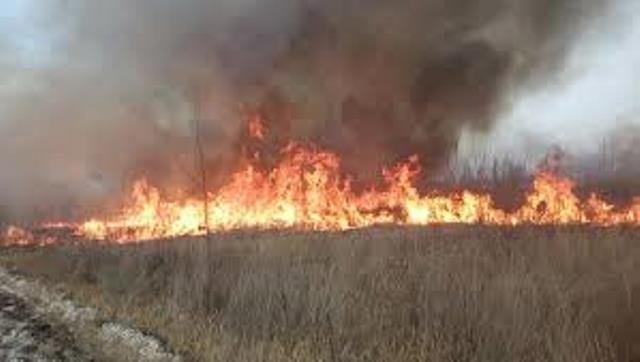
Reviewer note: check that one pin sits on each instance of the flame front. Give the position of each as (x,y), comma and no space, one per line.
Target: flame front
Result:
(307,191)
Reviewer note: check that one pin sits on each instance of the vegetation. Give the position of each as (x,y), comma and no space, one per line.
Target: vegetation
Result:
(442,293)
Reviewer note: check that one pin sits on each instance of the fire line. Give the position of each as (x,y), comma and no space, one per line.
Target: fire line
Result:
(306,190)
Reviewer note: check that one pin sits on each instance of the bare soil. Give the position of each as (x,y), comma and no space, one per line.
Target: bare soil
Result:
(26,335)
(40,323)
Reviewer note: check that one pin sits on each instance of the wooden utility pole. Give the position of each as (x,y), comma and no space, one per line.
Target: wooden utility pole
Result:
(201,167)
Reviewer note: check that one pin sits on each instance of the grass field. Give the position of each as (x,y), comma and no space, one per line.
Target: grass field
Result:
(447,293)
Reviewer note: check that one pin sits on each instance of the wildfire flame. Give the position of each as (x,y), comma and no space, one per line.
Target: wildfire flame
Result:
(257,128)
(306,190)
(17,236)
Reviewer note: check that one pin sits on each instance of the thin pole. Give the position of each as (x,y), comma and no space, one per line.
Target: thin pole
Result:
(203,173)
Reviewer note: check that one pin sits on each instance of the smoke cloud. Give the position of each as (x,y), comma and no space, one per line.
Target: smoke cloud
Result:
(117,90)
(589,107)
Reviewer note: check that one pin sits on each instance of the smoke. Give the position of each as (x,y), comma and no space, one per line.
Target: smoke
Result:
(588,107)
(117,89)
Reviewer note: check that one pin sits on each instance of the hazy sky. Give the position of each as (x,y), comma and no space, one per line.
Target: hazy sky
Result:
(21,29)
(597,92)
(15,24)
(10,12)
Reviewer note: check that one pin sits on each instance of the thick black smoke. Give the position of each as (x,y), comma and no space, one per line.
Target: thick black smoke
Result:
(378,80)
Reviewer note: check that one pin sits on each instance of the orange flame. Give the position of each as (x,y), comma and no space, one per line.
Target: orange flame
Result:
(257,128)
(17,236)
(307,191)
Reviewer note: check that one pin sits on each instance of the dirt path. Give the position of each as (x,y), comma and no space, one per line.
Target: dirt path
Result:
(38,324)
(25,335)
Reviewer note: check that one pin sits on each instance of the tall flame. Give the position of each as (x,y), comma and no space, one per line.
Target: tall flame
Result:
(306,190)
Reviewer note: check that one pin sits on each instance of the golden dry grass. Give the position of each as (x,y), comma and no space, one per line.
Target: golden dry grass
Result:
(450,293)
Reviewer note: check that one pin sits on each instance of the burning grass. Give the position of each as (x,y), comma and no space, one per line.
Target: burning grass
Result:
(437,293)
(308,191)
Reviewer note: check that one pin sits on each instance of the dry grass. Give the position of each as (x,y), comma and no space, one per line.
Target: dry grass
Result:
(437,294)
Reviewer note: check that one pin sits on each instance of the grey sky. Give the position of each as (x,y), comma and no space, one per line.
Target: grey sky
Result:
(596,93)
(21,29)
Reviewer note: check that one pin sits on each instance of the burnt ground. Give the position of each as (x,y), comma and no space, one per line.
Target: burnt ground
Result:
(26,335)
